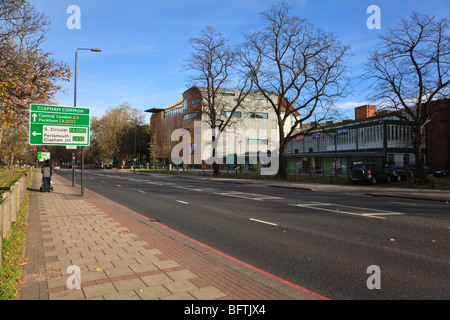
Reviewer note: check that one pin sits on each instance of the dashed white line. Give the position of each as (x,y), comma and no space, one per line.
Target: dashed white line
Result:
(250,196)
(141,191)
(404,203)
(183,202)
(265,222)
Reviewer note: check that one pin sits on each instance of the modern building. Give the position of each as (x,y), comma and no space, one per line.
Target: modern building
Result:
(332,148)
(251,129)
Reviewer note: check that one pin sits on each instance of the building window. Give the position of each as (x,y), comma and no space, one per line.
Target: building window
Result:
(196,101)
(258,115)
(406,159)
(192,116)
(173,112)
(390,159)
(227,94)
(227,114)
(257,141)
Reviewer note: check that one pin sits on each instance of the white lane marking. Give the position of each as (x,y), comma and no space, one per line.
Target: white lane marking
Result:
(251,196)
(376,215)
(193,188)
(265,222)
(119,185)
(157,183)
(404,203)
(183,202)
(141,191)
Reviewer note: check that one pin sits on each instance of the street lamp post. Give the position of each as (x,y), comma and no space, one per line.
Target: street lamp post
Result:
(75,104)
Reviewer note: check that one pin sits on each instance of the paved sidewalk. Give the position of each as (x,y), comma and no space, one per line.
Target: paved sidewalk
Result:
(122,255)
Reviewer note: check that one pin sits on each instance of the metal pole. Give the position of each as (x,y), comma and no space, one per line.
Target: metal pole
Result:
(73,169)
(74,104)
(82,148)
(82,170)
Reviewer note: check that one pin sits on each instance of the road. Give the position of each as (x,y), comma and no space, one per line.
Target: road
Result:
(325,242)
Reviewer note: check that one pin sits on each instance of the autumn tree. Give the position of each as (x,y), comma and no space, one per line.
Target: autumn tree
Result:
(26,77)
(410,68)
(301,66)
(120,133)
(216,68)
(27,73)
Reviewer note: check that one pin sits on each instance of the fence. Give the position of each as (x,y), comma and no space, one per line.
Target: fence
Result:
(10,204)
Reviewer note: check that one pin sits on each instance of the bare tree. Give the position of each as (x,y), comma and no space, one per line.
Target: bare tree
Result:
(303,67)
(410,69)
(215,66)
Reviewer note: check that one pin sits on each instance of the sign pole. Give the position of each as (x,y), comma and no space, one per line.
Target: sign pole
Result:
(73,169)
(75,105)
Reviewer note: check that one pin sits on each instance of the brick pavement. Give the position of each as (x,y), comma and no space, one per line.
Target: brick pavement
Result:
(124,256)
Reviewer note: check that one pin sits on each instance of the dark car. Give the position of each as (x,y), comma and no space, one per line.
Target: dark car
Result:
(435,172)
(369,172)
(397,173)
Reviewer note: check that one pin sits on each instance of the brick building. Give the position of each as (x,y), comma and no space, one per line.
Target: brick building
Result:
(253,115)
(438,136)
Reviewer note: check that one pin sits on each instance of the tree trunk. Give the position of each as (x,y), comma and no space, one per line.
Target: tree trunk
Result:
(418,141)
(282,173)
(215,165)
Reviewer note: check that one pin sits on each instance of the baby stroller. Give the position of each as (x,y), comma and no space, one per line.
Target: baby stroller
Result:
(42,188)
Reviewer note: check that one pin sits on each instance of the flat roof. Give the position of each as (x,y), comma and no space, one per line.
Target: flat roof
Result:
(173,105)
(154,110)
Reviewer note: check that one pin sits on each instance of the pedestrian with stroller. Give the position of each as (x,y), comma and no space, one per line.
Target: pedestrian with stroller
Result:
(47,172)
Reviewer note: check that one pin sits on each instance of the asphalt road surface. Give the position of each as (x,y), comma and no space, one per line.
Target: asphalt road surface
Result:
(339,245)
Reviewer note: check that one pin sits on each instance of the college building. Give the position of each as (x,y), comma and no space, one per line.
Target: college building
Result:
(251,129)
(377,137)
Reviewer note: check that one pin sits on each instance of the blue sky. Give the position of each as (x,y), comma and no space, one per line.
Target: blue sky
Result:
(145,42)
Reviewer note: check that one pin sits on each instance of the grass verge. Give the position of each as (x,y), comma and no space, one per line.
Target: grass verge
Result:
(8,177)
(13,252)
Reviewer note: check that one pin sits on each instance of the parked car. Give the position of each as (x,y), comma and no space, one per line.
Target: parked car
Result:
(369,172)
(435,172)
(397,173)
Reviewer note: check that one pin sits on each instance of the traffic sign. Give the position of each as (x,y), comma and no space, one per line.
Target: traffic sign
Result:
(59,125)
(43,156)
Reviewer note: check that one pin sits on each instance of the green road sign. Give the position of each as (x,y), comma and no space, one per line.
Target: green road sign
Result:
(58,125)
(43,156)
